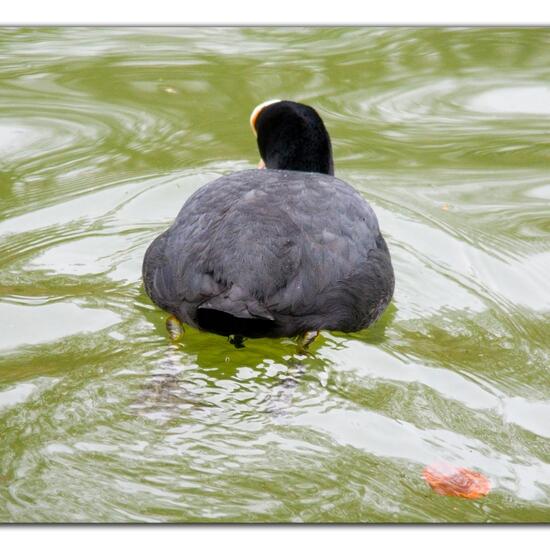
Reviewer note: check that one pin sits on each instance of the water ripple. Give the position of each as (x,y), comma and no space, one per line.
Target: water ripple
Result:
(105,132)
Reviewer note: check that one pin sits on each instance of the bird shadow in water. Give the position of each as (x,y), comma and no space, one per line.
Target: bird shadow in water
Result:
(217,359)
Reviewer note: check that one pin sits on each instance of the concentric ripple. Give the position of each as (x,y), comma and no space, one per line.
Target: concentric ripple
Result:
(104,133)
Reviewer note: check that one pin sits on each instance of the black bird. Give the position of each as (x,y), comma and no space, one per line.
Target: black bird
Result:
(285,251)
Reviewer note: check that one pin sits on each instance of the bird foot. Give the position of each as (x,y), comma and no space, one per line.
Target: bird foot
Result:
(304,340)
(237,341)
(174,328)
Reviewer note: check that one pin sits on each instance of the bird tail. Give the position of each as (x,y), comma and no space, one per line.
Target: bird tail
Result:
(235,312)
(237,303)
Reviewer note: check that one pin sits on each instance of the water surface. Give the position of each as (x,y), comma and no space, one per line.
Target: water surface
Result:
(104,133)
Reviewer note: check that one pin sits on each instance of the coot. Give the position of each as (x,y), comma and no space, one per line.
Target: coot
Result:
(284,251)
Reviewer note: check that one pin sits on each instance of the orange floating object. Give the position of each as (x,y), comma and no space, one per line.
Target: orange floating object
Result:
(449,480)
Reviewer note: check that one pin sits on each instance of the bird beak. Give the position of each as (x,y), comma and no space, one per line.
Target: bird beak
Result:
(256,112)
(261,164)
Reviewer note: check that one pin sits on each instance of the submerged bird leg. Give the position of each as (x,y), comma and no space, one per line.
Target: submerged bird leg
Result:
(304,340)
(281,397)
(237,340)
(174,328)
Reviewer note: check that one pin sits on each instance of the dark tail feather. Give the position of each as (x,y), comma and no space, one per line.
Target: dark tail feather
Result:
(235,302)
(232,312)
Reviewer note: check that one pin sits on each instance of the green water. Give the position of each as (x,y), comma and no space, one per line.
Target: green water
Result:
(104,133)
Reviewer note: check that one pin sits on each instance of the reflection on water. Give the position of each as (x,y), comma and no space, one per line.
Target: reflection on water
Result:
(103,135)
